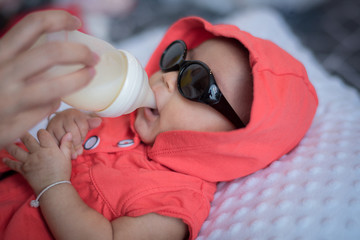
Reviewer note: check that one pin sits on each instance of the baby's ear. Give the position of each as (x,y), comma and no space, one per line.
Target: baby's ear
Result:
(94,122)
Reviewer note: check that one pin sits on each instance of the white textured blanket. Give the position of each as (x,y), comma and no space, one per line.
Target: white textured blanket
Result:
(314,191)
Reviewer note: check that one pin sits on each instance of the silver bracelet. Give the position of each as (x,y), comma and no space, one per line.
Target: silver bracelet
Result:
(35,203)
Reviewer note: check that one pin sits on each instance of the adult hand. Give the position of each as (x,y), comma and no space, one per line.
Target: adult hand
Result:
(26,95)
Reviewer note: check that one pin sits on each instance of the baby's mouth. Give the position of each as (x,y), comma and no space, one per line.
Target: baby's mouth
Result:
(154,111)
(151,114)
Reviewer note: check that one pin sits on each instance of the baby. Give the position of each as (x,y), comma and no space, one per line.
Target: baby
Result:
(228,104)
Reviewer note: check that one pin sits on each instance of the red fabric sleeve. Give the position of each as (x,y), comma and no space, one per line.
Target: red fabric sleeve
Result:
(137,191)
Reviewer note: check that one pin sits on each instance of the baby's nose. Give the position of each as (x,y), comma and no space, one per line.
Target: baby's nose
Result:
(170,79)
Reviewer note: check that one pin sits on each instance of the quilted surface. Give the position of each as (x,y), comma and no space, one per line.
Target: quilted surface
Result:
(314,191)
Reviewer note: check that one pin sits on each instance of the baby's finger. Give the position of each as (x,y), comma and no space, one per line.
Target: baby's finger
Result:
(45,139)
(56,130)
(66,145)
(94,122)
(74,154)
(79,149)
(83,128)
(17,152)
(30,142)
(14,165)
(25,33)
(70,125)
(56,139)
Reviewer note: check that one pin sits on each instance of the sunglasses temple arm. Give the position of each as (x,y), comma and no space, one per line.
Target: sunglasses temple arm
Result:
(224,108)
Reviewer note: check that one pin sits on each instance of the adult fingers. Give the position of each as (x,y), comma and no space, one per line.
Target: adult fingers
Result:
(27,31)
(42,92)
(49,55)
(15,125)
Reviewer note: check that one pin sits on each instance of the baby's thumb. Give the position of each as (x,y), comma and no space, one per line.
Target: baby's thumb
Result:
(94,122)
(66,145)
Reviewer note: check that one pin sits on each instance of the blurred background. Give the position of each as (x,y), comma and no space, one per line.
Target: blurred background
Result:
(330,28)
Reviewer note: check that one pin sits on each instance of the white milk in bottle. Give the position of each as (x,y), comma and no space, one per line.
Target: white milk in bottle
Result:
(119,86)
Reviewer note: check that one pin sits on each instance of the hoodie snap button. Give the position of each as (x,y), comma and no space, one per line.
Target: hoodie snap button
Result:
(125,143)
(92,143)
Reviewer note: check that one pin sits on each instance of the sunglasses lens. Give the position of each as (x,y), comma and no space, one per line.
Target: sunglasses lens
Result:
(172,56)
(193,81)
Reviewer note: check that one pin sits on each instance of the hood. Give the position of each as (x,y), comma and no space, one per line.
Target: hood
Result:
(284,104)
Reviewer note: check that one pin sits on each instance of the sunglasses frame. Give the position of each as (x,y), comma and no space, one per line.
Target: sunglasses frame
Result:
(213,96)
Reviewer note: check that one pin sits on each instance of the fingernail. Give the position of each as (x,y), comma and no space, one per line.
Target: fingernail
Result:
(77,21)
(69,136)
(92,71)
(79,151)
(96,58)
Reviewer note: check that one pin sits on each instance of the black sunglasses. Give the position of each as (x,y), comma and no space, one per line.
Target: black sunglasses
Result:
(196,81)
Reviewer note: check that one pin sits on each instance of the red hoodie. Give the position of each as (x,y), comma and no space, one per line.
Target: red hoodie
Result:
(177,176)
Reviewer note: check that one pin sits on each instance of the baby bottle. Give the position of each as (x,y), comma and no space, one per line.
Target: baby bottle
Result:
(119,86)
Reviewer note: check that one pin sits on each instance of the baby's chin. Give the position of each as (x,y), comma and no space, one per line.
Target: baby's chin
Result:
(143,127)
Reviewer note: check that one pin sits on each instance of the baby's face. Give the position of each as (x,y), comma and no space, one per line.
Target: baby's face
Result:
(174,112)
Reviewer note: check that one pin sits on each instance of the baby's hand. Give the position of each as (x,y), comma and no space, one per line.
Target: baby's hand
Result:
(75,122)
(45,163)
